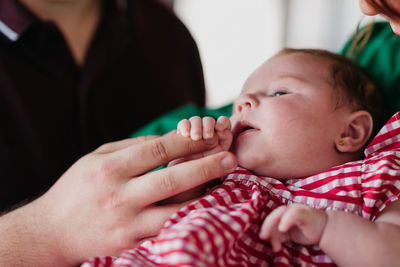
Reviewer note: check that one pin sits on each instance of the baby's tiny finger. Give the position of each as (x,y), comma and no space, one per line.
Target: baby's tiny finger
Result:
(271,222)
(184,128)
(208,127)
(196,131)
(276,241)
(223,123)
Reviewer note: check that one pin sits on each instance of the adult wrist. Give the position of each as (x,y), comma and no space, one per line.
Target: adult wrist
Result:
(28,238)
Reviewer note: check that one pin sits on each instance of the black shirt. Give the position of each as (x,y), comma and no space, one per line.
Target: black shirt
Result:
(141,63)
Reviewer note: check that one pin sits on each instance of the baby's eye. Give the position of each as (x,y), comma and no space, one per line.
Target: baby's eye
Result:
(279,93)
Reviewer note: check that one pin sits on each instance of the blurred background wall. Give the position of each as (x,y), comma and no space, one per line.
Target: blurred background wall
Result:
(235,36)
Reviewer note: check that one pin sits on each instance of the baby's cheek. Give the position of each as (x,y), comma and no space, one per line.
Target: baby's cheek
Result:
(249,159)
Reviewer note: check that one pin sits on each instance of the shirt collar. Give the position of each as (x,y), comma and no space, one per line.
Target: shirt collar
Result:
(15,18)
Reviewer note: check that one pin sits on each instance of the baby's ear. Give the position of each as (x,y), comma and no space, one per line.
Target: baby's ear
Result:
(357,130)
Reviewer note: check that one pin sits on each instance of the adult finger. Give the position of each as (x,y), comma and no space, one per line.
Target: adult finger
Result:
(145,156)
(154,217)
(114,146)
(161,184)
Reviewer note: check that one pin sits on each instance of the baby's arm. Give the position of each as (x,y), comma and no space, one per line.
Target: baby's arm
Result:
(347,238)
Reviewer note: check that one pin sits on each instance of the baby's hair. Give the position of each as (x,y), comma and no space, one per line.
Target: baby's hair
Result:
(356,88)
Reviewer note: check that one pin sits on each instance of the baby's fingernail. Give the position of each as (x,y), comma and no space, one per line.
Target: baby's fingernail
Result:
(208,135)
(228,163)
(184,133)
(196,137)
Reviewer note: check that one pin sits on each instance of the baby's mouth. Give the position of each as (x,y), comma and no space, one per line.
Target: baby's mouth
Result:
(243,127)
(247,128)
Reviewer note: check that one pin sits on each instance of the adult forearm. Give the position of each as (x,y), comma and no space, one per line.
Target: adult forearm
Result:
(353,241)
(26,239)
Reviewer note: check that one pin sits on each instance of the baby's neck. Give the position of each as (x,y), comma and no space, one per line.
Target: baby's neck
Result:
(342,158)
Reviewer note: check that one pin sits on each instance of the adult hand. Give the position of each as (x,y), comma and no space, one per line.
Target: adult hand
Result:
(104,203)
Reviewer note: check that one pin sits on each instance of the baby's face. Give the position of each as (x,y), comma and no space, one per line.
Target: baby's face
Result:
(285,121)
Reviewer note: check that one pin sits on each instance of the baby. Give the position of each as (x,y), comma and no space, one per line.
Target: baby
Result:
(305,193)
(300,113)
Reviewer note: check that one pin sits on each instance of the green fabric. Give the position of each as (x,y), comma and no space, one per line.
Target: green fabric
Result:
(169,121)
(381,59)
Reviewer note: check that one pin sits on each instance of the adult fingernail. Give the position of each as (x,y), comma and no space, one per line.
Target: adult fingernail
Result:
(228,163)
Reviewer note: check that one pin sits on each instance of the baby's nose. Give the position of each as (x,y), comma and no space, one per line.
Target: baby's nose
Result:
(248,101)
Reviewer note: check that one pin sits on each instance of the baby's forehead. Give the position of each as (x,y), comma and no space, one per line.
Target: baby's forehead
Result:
(297,67)
(299,61)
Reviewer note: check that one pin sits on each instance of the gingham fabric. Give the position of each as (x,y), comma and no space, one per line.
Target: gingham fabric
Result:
(221,229)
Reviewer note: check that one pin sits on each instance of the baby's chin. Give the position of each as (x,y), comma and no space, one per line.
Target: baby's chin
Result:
(251,165)
(266,170)
(260,165)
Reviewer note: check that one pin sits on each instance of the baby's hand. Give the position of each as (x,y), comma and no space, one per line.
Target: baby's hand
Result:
(298,223)
(197,128)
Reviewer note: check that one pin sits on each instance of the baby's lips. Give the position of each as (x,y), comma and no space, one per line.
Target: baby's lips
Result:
(242,125)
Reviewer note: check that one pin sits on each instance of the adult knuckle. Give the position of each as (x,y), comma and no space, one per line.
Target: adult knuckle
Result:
(113,201)
(105,169)
(159,151)
(205,172)
(103,147)
(169,183)
(141,139)
(189,147)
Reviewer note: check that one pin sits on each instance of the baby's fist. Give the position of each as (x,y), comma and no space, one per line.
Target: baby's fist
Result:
(198,128)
